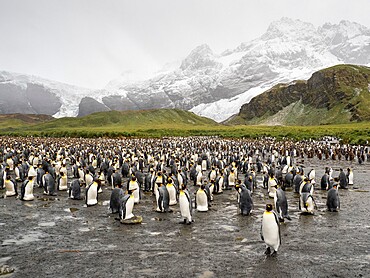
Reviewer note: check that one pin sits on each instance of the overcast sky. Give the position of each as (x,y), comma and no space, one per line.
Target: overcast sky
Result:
(90,42)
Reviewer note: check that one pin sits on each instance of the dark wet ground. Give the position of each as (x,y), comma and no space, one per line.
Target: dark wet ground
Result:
(58,237)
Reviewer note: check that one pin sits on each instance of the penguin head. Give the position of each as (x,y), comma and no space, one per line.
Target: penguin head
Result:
(268,207)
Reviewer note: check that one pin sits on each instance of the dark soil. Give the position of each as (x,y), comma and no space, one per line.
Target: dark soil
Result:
(59,237)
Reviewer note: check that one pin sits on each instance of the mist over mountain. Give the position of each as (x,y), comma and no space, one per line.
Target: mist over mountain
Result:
(206,83)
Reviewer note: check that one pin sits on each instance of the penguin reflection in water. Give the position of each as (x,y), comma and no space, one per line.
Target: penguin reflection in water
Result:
(270,230)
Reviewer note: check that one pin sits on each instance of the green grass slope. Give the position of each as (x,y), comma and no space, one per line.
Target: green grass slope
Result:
(12,121)
(172,122)
(156,122)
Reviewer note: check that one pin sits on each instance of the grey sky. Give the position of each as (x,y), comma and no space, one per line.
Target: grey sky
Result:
(90,42)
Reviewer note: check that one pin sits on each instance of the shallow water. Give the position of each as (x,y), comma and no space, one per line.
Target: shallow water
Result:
(59,234)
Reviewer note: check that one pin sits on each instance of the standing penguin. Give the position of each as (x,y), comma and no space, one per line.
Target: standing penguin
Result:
(49,184)
(201,199)
(92,192)
(349,176)
(133,185)
(306,201)
(27,189)
(332,201)
(219,184)
(343,183)
(74,191)
(245,200)
(288,180)
(11,187)
(199,178)
(325,181)
(272,185)
(185,205)
(297,180)
(270,230)
(62,182)
(172,192)
(163,199)
(127,205)
(281,204)
(115,197)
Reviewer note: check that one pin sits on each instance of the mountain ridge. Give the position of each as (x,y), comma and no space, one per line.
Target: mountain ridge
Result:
(206,83)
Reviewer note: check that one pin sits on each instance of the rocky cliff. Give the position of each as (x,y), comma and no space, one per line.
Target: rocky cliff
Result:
(337,94)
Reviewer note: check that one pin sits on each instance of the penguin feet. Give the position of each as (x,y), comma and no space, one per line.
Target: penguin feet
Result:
(183,222)
(281,219)
(288,217)
(274,254)
(268,251)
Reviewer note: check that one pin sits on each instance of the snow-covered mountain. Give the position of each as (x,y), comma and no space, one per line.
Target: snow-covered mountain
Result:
(217,85)
(28,94)
(209,84)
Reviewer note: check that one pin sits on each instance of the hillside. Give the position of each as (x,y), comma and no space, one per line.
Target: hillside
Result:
(336,95)
(11,121)
(114,123)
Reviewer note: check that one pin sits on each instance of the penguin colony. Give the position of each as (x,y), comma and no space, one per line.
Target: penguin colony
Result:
(184,172)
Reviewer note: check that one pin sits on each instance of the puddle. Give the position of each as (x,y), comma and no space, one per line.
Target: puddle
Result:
(48,205)
(154,233)
(4,260)
(24,239)
(47,224)
(207,274)
(71,210)
(229,228)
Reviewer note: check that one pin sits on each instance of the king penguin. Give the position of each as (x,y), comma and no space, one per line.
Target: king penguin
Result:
(281,204)
(62,182)
(11,187)
(27,189)
(272,185)
(201,199)
(307,203)
(332,201)
(185,205)
(270,230)
(349,176)
(133,185)
(127,205)
(92,193)
(245,199)
(115,197)
(75,190)
(163,199)
(172,192)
